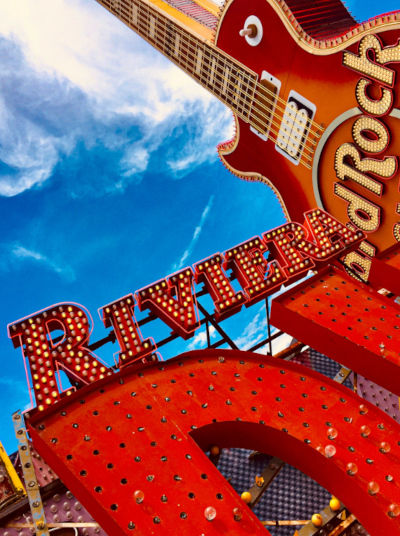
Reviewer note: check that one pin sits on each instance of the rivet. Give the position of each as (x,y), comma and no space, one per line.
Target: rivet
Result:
(138,496)
(210,513)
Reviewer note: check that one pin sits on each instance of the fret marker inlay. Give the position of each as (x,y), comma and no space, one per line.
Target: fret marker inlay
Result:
(199,60)
(134,16)
(177,44)
(152,27)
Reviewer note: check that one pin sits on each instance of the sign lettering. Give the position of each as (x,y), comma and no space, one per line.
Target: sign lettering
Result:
(292,250)
(371,136)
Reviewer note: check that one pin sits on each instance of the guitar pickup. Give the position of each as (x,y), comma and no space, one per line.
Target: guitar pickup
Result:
(264,105)
(294,128)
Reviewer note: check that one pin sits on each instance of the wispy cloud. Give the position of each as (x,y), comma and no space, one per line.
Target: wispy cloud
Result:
(21,253)
(257,330)
(62,86)
(282,342)
(200,339)
(254,332)
(196,234)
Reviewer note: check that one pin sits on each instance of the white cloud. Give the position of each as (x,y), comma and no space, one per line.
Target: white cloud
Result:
(196,234)
(281,342)
(255,331)
(21,253)
(27,150)
(103,73)
(135,160)
(200,339)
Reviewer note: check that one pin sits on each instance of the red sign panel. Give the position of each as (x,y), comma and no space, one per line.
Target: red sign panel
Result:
(131,447)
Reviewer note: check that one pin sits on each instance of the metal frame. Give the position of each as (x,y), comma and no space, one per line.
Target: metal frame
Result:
(32,486)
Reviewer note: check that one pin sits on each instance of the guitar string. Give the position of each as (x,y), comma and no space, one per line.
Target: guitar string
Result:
(178,29)
(318,126)
(250,116)
(269,118)
(256,116)
(143,23)
(206,51)
(273,101)
(298,145)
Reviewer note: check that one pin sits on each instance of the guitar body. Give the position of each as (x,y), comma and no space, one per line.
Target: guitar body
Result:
(318,74)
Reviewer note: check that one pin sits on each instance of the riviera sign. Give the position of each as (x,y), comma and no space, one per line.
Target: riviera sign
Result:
(293,249)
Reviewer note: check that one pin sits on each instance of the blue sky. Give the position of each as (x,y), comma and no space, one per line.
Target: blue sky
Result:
(109,176)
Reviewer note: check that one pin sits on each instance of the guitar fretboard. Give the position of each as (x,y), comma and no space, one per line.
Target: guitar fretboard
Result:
(227,79)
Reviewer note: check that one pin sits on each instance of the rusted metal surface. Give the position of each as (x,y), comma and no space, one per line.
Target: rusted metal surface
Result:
(62,510)
(385,270)
(11,487)
(31,483)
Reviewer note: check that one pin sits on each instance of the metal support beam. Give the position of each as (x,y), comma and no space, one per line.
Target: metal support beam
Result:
(31,483)
(285,523)
(217,327)
(327,516)
(262,482)
(208,334)
(342,375)
(344,525)
(268,327)
(54,525)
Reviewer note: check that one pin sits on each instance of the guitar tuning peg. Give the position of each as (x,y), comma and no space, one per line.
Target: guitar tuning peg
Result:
(252,30)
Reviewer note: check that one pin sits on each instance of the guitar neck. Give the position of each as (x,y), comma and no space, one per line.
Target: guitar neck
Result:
(228,80)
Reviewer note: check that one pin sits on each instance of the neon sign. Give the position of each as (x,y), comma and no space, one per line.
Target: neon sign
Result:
(292,250)
(362,187)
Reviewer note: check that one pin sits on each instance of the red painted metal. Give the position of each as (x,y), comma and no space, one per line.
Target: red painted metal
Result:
(173,300)
(322,19)
(46,357)
(130,447)
(385,270)
(120,316)
(226,301)
(346,320)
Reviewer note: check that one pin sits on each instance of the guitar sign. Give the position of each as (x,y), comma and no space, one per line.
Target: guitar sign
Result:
(314,99)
